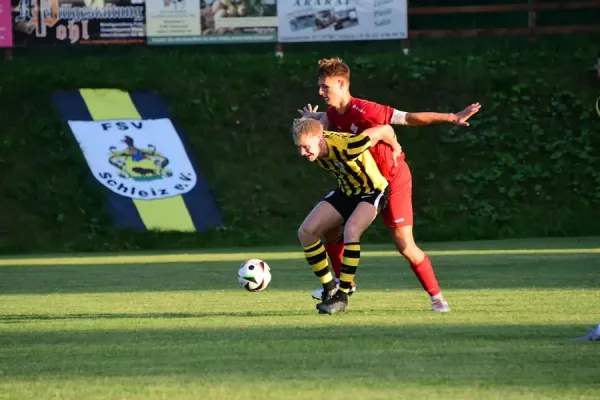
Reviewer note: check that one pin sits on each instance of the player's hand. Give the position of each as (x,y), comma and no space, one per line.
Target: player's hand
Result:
(396,152)
(461,117)
(309,111)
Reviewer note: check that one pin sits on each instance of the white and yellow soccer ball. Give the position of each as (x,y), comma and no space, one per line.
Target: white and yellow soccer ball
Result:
(254,275)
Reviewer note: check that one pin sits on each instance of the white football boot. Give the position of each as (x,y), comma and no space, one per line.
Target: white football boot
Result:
(439,304)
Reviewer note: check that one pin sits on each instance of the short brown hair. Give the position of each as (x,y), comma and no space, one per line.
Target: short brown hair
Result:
(329,67)
(306,127)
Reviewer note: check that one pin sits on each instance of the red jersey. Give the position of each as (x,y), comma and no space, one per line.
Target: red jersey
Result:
(363,114)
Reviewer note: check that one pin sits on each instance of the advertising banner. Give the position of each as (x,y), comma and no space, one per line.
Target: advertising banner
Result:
(79,22)
(5,24)
(201,21)
(337,20)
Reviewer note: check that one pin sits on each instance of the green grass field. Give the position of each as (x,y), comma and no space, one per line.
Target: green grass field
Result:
(178,326)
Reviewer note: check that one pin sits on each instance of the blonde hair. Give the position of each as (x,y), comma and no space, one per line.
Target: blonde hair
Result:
(304,127)
(332,67)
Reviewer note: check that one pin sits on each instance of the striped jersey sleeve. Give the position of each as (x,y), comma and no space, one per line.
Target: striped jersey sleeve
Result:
(356,145)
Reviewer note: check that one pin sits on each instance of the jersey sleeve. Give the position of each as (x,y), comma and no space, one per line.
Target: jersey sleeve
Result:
(377,114)
(355,145)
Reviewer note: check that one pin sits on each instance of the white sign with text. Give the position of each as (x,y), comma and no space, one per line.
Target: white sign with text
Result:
(337,20)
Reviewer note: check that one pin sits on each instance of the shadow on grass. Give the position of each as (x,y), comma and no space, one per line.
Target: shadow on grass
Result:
(473,355)
(388,273)
(15,318)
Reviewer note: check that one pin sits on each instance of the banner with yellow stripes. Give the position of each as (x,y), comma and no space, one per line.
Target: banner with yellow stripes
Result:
(136,154)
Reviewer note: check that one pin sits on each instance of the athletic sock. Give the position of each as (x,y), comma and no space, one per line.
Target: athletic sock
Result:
(349,265)
(335,251)
(317,259)
(425,275)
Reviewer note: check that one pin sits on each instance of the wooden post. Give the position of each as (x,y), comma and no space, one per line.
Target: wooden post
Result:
(406,42)
(406,46)
(532,19)
(8,53)
(278,50)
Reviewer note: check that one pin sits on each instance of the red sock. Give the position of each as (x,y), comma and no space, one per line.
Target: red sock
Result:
(335,251)
(425,275)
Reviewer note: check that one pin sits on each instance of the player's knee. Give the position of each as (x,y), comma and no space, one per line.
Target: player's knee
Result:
(412,253)
(307,233)
(404,242)
(352,232)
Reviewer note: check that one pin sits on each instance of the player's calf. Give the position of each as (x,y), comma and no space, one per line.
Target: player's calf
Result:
(334,246)
(420,265)
(317,259)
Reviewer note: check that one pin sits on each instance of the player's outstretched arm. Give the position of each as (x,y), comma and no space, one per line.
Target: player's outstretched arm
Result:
(427,118)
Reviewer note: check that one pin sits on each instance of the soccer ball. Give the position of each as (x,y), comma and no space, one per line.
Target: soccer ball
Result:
(254,275)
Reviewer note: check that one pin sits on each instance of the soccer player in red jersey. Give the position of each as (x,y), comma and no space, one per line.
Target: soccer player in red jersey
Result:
(346,113)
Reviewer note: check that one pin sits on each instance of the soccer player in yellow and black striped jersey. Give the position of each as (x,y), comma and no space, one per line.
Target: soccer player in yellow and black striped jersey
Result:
(361,194)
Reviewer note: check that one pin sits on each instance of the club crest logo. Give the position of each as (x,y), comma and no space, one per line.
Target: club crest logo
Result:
(140,159)
(139,164)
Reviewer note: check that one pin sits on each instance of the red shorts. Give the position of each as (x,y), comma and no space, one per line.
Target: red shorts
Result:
(399,211)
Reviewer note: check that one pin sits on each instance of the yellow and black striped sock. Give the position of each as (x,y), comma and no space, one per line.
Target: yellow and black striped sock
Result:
(317,258)
(349,265)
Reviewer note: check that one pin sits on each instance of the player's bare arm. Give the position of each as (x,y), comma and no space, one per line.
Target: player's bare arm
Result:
(427,118)
(385,134)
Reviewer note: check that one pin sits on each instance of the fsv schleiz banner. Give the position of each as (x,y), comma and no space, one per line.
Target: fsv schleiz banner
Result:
(138,157)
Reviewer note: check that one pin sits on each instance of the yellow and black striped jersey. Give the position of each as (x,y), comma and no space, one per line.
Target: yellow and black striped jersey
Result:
(351,163)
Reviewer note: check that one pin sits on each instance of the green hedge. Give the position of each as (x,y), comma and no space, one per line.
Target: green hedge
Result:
(528,166)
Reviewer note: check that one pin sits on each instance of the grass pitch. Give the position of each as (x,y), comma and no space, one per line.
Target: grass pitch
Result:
(178,326)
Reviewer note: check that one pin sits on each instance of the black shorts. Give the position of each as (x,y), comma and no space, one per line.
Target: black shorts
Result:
(346,205)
